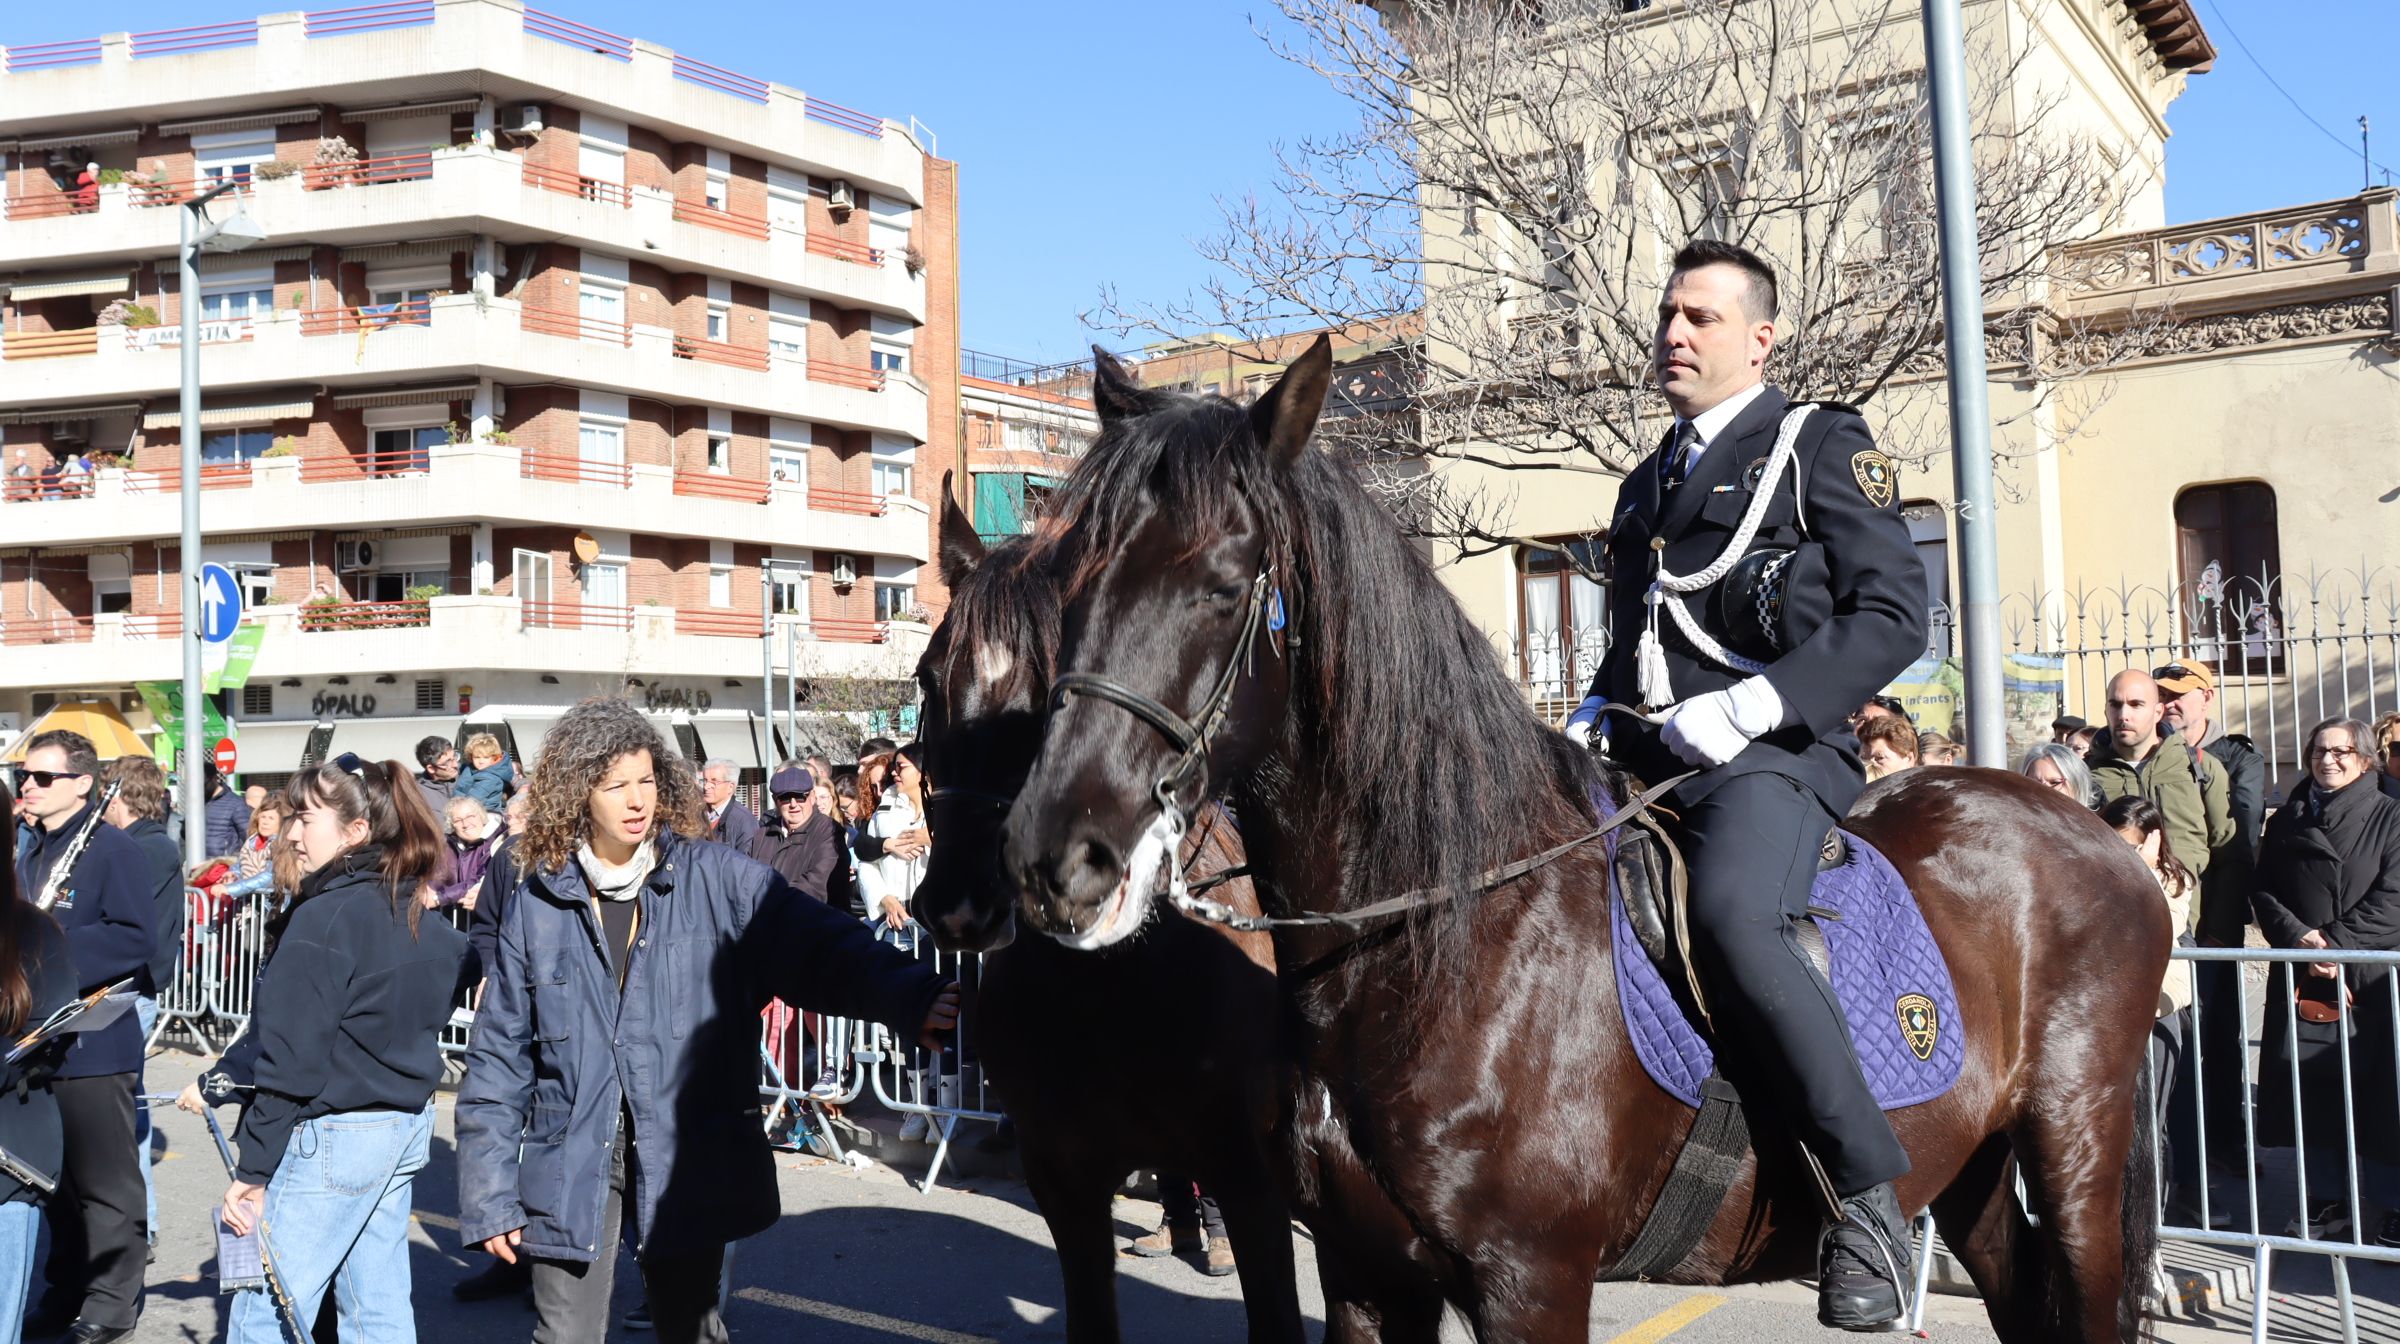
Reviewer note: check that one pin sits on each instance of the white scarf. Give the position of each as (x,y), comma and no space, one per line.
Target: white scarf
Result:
(617,882)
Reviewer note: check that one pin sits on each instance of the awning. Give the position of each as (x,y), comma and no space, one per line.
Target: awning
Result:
(80,139)
(249,259)
(98,720)
(424,249)
(525,731)
(53,415)
(118,283)
(463,104)
(734,739)
(390,739)
(269,748)
(222,416)
(439,393)
(243,122)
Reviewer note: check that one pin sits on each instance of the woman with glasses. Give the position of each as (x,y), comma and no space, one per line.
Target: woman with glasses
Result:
(2329,878)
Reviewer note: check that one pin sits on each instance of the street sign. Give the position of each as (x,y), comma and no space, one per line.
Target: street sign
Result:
(220,604)
(225,756)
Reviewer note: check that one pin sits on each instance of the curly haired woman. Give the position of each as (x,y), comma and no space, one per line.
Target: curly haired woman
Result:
(613,1078)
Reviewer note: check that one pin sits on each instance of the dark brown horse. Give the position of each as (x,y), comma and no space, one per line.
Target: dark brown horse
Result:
(1243,621)
(1154,1053)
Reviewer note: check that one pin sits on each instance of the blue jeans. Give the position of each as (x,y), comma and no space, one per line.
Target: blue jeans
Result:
(20,1227)
(337,1217)
(145,1007)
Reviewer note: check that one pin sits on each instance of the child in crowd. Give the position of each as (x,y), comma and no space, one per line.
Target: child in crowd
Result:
(489,777)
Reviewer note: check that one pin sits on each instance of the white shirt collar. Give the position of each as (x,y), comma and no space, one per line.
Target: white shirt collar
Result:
(1713,421)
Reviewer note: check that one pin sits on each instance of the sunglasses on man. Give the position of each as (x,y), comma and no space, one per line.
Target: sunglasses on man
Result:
(46,778)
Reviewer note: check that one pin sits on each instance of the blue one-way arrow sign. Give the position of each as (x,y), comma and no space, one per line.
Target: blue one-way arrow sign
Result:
(220,604)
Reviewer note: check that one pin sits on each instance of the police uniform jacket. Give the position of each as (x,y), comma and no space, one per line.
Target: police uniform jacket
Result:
(1853,609)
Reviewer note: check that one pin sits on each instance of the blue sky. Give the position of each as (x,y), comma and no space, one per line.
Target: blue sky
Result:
(1093,137)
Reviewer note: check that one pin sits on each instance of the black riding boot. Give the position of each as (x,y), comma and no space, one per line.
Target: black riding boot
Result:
(1863,1263)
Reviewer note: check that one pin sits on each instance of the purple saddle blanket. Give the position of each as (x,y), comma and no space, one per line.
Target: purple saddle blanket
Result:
(1887,973)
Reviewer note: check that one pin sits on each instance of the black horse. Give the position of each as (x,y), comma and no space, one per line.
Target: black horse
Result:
(1242,620)
(1157,1052)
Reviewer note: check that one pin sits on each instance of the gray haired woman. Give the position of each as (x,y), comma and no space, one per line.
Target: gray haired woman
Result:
(2055,765)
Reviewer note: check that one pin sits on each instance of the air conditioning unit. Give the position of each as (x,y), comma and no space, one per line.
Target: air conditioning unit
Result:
(841,197)
(845,570)
(354,555)
(523,120)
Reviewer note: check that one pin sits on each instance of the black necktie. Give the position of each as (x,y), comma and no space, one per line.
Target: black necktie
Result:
(1679,456)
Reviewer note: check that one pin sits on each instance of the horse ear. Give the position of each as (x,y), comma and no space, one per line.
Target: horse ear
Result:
(961,548)
(1285,417)
(1114,392)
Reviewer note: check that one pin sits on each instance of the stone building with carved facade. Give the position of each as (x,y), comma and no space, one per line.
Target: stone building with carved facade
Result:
(568,365)
(2230,471)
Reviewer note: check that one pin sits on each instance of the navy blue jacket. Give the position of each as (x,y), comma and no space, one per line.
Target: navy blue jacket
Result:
(738,827)
(558,1053)
(106,911)
(1871,585)
(228,822)
(166,901)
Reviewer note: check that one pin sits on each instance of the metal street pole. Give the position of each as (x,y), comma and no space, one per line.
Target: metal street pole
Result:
(1970,407)
(188,752)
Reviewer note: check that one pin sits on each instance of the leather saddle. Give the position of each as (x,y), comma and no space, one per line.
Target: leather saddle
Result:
(1656,889)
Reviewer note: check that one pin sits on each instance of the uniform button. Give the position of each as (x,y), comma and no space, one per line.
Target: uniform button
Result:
(1658,543)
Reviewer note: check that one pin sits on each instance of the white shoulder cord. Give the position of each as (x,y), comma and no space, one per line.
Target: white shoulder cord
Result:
(1667,590)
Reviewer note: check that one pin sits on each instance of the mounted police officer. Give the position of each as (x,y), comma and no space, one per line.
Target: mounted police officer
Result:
(1764,586)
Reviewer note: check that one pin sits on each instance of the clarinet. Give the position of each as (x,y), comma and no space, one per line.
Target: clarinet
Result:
(56,885)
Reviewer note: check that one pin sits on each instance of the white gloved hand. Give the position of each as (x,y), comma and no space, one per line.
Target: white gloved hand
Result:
(1578,732)
(1580,723)
(1709,730)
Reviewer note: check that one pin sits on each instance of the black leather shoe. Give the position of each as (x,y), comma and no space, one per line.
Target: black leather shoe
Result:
(48,1322)
(498,1279)
(88,1332)
(1863,1264)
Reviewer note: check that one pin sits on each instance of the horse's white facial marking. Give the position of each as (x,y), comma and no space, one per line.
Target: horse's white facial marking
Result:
(993,663)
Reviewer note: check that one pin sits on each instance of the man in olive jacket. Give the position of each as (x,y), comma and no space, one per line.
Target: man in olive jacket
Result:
(2136,759)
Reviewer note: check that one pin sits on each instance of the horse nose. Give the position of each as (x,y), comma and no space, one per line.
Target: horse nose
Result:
(971,929)
(1061,890)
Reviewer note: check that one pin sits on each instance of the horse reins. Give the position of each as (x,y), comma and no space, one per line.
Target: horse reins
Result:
(1191,738)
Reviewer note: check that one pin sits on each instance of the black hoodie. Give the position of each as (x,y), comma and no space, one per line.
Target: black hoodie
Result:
(350,1015)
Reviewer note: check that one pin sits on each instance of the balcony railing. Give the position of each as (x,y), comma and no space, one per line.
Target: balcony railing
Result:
(369,18)
(57,627)
(50,344)
(848,501)
(53,484)
(574,326)
(575,616)
(169,480)
(842,249)
(598,41)
(576,184)
(728,221)
(53,55)
(364,466)
(845,375)
(719,485)
(569,467)
(846,118)
(722,624)
(365,317)
(414,167)
(719,352)
(50,204)
(151,194)
(2334,234)
(180,41)
(719,78)
(835,630)
(152,625)
(318,617)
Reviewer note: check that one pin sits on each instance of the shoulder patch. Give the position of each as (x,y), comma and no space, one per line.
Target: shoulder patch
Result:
(1875,480)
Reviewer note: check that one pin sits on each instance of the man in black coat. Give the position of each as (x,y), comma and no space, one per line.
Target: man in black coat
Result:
(798,841)
(98,1231)
(1760,707)
(139,810)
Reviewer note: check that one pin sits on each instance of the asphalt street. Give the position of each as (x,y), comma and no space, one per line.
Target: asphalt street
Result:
(862,1257)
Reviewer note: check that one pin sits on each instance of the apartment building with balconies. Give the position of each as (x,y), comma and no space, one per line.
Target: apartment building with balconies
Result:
(568,362)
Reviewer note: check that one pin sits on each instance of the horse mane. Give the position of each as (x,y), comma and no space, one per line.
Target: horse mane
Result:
(1010,601)
(1445,769)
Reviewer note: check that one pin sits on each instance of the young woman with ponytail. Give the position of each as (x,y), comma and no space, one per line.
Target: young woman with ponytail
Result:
(346,1023)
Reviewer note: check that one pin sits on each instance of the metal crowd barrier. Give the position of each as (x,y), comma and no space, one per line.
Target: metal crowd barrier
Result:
(218,971)
(2258,1222)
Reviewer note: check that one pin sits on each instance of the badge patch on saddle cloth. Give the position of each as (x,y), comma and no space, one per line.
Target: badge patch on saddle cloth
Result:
(1874,473)
(1920,1024)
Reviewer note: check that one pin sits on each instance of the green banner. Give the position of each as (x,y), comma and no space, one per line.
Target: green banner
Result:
(239,653)
(165,702)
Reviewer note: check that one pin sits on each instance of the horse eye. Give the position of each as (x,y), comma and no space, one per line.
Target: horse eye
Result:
(1227,593)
